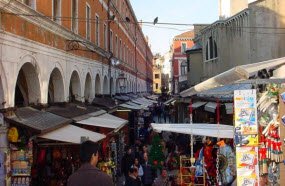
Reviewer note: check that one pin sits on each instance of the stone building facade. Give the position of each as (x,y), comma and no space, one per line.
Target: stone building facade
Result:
(252,35)
(57,50)
(180,44)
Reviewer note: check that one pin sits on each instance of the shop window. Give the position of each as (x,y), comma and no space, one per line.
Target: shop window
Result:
(56,10)
(74,16)
(211,49)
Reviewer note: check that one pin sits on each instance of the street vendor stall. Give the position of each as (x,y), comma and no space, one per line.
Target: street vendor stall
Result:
(257,120)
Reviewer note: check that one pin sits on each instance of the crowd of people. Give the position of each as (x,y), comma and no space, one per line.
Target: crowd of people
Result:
(139,171)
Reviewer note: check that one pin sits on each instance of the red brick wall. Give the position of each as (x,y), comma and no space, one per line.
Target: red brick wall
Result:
(18,26)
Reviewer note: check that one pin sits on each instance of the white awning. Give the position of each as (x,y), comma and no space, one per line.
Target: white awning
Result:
(133,107)
(233,75)
(106,121)
(141,102)
(144,100)
(229,108)
(198,104)
(198,129)
(72,134)
(169,101)
(211,107)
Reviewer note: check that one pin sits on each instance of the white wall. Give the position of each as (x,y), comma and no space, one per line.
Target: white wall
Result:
(16,51)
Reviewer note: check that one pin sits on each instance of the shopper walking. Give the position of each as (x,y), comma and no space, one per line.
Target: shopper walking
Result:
(127,162)
(162,180)
(133,179)
(88,174)
(138,166)
(148,172)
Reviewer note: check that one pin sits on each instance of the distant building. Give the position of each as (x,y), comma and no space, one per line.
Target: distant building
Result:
(179,61)
(249,36)
(228,8)
(157,69)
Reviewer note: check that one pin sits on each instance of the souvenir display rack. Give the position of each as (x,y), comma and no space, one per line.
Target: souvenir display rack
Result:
(187,173)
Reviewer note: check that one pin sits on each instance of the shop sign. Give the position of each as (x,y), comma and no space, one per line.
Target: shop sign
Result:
(246,137)
(246,128)
(247,166)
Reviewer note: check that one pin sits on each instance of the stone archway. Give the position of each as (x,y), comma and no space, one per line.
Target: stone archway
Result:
(113,86)
(75,87)
(97,85)
(118,88)
(56,87)
(27,89)
(105,86)
(87,88)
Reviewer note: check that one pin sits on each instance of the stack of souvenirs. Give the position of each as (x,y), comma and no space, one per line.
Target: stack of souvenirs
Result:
(270,145)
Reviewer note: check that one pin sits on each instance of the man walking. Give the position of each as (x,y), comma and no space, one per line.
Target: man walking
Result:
(162,180)
(127,162)
(148,172)
(88,174)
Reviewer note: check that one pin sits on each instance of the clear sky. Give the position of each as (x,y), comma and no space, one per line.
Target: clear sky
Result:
(172,11)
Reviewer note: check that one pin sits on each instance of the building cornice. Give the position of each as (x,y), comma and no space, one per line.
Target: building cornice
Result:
(183,39)
(227,21)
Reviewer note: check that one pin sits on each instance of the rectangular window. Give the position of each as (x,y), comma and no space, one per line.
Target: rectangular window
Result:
(156,85)
(116,46)
(121,50)
(124,54)
(183,47)
(74,16)
(56,11)
(156,76)
(111,41)
(105,36)
(31,3)
(127,55)
(88,22)
(97,29)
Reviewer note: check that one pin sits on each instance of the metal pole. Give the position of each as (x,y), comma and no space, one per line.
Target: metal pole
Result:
(136,57)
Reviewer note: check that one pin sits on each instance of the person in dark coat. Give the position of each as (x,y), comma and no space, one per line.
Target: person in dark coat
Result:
(148,172)
(133,179)
(88,174)
(127,161)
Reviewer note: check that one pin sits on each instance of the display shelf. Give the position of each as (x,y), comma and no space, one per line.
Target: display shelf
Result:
(184,177)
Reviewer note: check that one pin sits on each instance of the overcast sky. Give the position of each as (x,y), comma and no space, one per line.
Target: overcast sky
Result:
(172,11)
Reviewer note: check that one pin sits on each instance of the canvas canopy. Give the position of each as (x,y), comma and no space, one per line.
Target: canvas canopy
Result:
(72,134)
(198,129)
(106,121)
(233,75)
